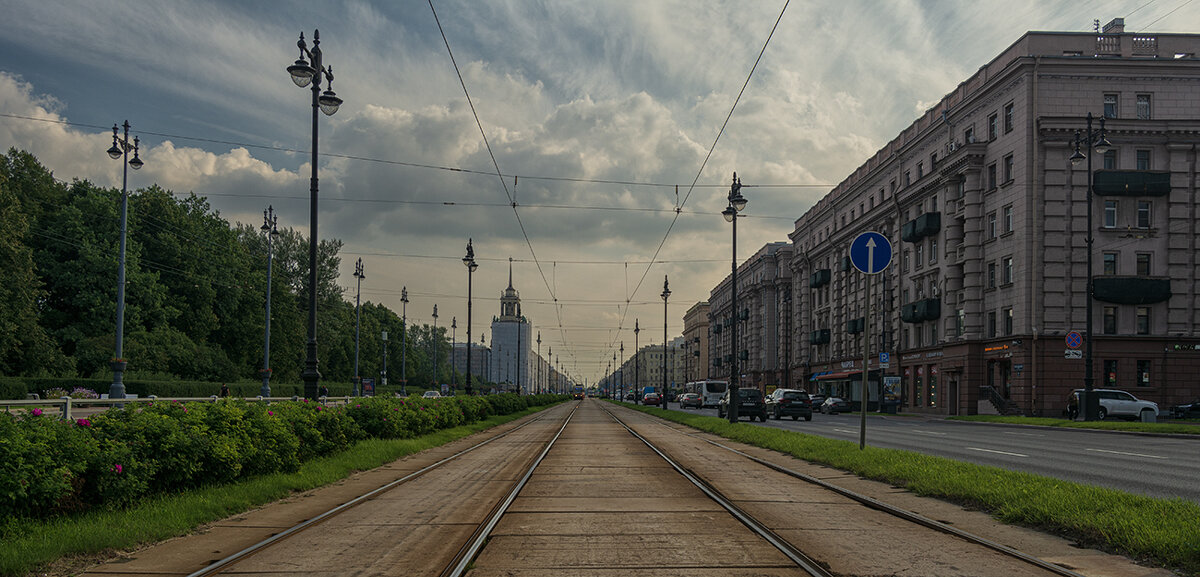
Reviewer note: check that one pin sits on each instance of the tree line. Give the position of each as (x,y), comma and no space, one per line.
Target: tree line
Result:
(195,291)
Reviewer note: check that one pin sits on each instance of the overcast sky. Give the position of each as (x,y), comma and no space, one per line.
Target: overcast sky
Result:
(598,107)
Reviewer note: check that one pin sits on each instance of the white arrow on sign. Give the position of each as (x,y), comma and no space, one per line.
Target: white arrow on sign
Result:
(871,254)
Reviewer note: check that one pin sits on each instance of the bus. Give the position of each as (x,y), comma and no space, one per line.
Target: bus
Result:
(710,391)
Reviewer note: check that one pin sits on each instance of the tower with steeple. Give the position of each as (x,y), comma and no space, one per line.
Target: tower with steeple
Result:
(511,342)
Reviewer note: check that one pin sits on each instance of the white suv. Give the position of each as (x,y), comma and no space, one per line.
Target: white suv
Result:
(1117,403)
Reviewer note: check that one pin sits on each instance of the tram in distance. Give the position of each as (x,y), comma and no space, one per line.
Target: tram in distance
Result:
(578,392)
(710,391)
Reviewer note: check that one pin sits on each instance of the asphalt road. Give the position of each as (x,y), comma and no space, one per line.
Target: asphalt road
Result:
(1158,466)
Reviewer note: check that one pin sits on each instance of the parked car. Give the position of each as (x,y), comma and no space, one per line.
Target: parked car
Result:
(690,400)
(1115,403)
(431,395)
(816,399)
(1187,410)
(834,405)
(651,399)
(789,402)
(750,404)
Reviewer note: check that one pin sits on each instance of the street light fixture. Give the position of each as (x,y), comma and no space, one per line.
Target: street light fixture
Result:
(303,74)
(403,341)
(1089,405)
(270,230)
(737,203)
(358,274)
(666,293)
(469,261)
(120,151)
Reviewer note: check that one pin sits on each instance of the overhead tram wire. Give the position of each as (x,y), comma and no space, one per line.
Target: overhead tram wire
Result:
(724,124)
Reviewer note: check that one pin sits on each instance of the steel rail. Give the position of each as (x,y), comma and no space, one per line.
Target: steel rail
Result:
(894,510)
(797,556)
(221,564)
(467,553)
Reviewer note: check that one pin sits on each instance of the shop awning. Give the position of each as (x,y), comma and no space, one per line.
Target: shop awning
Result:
(838,375)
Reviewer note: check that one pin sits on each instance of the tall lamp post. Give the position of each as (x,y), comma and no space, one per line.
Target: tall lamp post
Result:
(551,387)
(666,293)
(637,376)
(1089,405)
(615,380)
(383,373)
(120,151)
(358,274)
(453,353)
(621,379)
(271,231)
(737,203)
(469,261)
(403,341)
(433,345)
(304,74)
(537,382)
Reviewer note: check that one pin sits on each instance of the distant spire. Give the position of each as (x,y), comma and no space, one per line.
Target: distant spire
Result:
(510,273)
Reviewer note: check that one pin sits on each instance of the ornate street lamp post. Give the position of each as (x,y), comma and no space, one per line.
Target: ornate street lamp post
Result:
(537,381)
(434,345)
(1089,405)
(621,378)
(469,261)
(454,353)
(120,151)
(637,376)
(383,373)
(303,74)
(666,293)
(358,274)
(271,231)
(403,341)
(737,203)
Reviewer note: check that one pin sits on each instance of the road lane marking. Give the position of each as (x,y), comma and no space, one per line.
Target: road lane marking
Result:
(846,431)
(1128,454)
(997,452)
(928,433)
(1023,434)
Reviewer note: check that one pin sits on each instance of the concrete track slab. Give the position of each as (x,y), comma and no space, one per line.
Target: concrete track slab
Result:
(518,554)
(623,505)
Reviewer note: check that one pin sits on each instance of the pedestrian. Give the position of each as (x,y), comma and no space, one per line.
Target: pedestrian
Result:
(224,390)
(323,391)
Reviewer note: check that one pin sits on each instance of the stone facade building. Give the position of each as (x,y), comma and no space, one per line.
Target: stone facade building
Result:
(764,329)
(511,363)
(988,220)
(695,342)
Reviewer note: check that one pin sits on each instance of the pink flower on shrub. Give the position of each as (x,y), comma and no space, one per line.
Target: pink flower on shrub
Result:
(83,422)
(272,413)
(318,408)
(119,469)
(358,406)
(36,412)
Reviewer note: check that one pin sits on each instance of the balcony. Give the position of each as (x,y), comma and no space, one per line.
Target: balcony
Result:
(921,311)
(1131,183)
(820,278)
(820,337)
(1131,290)
(856,326)
(927,224)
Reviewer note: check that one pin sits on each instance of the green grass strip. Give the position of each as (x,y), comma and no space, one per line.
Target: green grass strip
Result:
(26,545)
(1166,531)
(1179,428)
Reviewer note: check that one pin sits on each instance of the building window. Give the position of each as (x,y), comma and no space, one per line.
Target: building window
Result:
(1143,106)
(1143,373)
(991,325)
(969,135)
(1110,320)
(932,250)
(1008,118)
(907,178)
(920,254)
(1110,214)
(1008,321)
(1008,219)
(1143,264)
(1143,160)
(933,333)
(960,326)
(892,187)
(1006,270)
(871,200)
(932,161)
(1110,105)
(904,262)
(1008,168)
(1110,263)
(1143,320)
(1110,159)
(993,124)
(1110,372)
(991,275)
(991,176)
(920,170)
(991,225)
(1143,214)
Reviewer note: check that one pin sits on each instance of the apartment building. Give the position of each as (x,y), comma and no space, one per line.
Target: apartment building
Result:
(764,327)
(695,342)
(989,222)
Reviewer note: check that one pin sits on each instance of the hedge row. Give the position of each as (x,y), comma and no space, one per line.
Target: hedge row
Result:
(50,467)
(12,388)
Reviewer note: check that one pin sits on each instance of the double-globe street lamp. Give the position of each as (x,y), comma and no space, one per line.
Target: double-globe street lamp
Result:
(271,231)
(403,341)
(737,203)
(120,151)
(469,261)
(1089,405)
(360,275)
(304,74)
(665,294)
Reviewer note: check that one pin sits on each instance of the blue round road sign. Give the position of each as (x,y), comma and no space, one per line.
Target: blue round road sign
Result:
(870,252)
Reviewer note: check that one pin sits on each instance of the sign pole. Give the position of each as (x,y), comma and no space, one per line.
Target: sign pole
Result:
(862,428)
(870,253)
